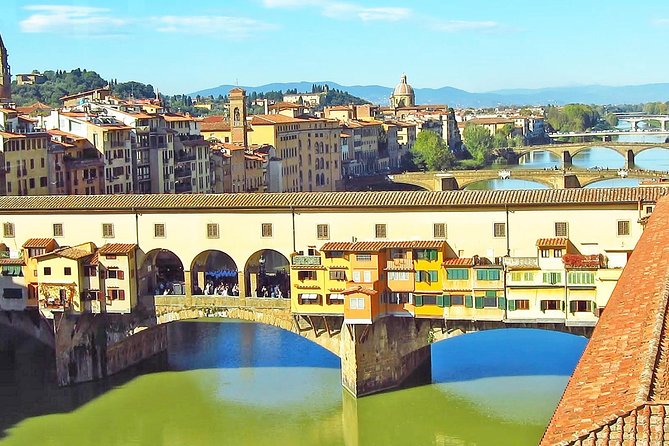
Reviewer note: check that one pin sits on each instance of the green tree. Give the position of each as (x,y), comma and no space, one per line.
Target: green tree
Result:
(430,152)
(478,141)
(612,119)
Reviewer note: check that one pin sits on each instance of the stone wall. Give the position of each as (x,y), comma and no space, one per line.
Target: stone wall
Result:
(385,354)
(136,348)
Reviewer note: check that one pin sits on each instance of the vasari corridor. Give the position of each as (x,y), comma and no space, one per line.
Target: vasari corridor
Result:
(334,222)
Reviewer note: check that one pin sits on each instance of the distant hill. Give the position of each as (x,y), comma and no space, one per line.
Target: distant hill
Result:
(592,94)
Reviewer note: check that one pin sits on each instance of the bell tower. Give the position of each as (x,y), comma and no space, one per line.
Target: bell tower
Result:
(238,116)
(5,75)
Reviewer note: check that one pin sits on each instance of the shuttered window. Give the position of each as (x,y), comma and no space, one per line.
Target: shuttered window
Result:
(561,229)
(499,229)
(323,232)
(380,230)
(212,230)
(439,230)
(457,274)
(108,230)
(623,227)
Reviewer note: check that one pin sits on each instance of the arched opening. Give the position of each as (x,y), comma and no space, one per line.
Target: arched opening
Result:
(266,274)
(539,159)
(214,272)
(506,184)
(597,157)
(161,273)
(652,158)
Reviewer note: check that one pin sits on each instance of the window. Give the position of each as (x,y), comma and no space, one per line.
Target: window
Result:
(623,227)
(380,230)
(367,276)
(426,299)
(487,274)
(561,229)
(581,278)
(12,270)
(439,230)
(12,293)
(396,298)
(116,294)
(57,229)
(363,257)
(520,304)
(47,270)
(212,230)
(159,230)
(457,300)
(398,275)
(67,271)
(107,230)
(557,253)
(499,229)
(545,253)
(266,229)
(8,229)
(552,278)
(457,274)
(335,299)
(309,299)
(581,306)
(426,254)
(115,274)
(357,303)
(337,275)
(490,300)
(90,271)
(323,232)
(551,305)
(306,275)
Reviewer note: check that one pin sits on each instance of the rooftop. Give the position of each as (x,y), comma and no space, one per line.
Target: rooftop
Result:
(498,199)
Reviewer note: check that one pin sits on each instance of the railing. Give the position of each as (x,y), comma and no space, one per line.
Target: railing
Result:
(521,262)
(181,188)
(306,260)
(182,173)
(399,264)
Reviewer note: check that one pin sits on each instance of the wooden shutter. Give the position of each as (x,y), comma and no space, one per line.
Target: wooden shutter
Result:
(572,307)
(501,303)
(479,302)
(447,300)
(512,305)
(544,305)
(469,302)
(440,301)
(419,300)
(120,275)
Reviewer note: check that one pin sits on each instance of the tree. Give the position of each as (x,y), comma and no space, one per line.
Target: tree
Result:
(430,152)
(612,119)
(478,141)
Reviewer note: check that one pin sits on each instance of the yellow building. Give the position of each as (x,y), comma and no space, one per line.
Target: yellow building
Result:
(117,269)
(24,157)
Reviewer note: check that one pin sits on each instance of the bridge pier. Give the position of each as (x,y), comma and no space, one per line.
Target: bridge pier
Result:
(448,183)
(566,158)
(629,164)
(387,354)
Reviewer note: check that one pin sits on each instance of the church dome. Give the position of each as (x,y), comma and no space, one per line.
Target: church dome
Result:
(403,88)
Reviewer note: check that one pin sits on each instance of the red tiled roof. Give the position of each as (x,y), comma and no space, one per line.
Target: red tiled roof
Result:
(352,288)
(117,248)
(38,242)
(624,365)
(380,245)
(6,261)
(556,242)
(461,261)
(73,253)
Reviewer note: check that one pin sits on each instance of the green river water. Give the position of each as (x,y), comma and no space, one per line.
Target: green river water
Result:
(235,383)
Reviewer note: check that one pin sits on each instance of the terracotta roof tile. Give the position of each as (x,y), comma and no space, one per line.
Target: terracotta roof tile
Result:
(117,248)
(462,261)
(578,261)
(6,261)
(73,253)
(38,242)
(620,369)
(380,245)
(331,200)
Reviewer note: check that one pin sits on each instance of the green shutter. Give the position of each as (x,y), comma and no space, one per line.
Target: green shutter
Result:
(491,293)
(512,305)
(434,275)
(544,305)
(493,274)
(501,303)
(479,302)
(572,307)
(547,277)
(433,254)
(593,307)
(447,300)
(419,300)
(440,301)
(469,302)
(481,274)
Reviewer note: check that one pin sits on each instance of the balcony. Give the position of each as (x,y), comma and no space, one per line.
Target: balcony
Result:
(185,156)
(143,129)
(182,173)
(306,260)
(521,262)
(399,265)
(183,188)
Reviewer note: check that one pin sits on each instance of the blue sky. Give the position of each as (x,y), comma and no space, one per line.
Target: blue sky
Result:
(476,45)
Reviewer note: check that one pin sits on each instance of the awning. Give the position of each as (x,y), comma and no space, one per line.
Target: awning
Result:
(309,296)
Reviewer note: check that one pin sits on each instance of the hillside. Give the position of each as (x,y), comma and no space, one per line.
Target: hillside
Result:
(593,94)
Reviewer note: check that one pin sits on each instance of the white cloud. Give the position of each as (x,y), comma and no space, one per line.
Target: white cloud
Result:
(73,20)
(453,26)
(343,10)
(222,26)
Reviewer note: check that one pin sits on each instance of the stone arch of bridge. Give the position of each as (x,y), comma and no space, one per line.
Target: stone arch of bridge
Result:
(267,274)
(216,267)
(319,330)
(650,147)
(161,270)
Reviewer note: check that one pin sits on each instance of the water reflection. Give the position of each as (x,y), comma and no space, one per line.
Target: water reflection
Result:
(615,182)
(507,184)
(247,384)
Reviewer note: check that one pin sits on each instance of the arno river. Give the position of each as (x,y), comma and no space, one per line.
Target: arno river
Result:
(238,383)
(595,157)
